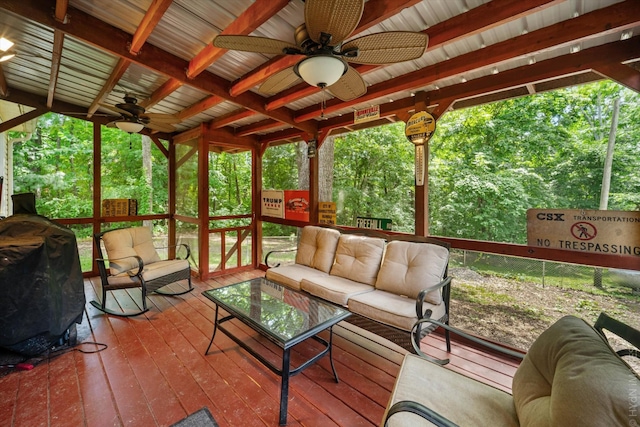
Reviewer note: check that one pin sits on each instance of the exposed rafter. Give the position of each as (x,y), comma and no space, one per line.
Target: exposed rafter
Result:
(603,21)
(148,23)
(56,56)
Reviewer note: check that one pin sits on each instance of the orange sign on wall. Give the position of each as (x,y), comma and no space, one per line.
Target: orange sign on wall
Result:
(296,205)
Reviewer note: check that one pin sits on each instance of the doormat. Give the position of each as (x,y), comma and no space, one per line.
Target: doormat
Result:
(201,418)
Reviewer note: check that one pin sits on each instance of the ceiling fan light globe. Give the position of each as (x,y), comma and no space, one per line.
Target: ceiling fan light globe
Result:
(130,127)
(321,71)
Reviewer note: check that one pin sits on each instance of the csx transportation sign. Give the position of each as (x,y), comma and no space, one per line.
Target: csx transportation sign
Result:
(603,232)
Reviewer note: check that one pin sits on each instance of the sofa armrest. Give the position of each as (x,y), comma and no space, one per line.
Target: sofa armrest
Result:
(419,409)
(266,258)
(476,340)
(622,330)
(420,299)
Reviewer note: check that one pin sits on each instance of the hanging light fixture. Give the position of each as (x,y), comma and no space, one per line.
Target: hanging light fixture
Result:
(130,127)
(321,70)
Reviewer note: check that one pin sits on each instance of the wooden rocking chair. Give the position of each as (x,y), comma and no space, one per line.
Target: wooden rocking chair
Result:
(132,261)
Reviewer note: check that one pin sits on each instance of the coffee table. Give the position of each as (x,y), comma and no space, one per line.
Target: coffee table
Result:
(284,316)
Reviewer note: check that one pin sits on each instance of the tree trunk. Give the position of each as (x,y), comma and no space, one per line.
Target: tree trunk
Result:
(325,170)
(148,173)
(606,176)
(302,161)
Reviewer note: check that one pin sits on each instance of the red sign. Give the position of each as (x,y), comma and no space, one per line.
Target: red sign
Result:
(296,205)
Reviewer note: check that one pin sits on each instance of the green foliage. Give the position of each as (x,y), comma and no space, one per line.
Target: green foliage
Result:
(373,176)
(491,163)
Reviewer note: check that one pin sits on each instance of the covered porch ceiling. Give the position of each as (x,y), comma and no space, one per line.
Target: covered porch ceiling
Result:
(74,55)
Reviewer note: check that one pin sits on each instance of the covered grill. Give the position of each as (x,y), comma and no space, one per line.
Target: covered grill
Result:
(41,285)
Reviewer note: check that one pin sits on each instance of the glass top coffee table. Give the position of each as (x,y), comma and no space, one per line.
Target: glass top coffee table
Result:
(284,316)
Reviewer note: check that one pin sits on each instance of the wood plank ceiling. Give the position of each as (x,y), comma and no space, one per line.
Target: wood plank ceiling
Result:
(74,55)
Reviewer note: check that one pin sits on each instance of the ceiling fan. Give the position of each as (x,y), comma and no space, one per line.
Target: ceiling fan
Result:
(320,39)
(133,117)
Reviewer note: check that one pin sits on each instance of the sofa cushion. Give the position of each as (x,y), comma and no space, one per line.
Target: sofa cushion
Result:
(462,400)
(317,247)
(358,258)
(571,376)
(391,309)
(292,274)
(127,243)
(410,267)
(333,288)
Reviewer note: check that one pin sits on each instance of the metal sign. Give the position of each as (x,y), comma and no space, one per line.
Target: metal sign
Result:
(420,127)
(327,213)
(595,231)
(366,115)
(374,223)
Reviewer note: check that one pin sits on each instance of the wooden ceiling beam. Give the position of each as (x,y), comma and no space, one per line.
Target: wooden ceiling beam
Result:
(199,107)
(154,14)
(257,127)
(60,12)
(111,39)
(542,71)
(375,11)
(226,138)
(56,56)
(161,93)
(622,74)
(611,19)
(4,89)
(475,21)
(231,117)
(254,16)
(17,121)
(116,74)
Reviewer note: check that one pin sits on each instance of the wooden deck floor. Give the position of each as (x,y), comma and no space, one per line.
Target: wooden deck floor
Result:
(154,373)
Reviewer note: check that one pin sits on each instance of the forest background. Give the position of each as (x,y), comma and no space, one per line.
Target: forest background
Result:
(487,166)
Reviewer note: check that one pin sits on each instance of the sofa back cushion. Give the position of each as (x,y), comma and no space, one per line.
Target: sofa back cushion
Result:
(410,267)
(317,247)
(127,243)
(572,377)
(358,258)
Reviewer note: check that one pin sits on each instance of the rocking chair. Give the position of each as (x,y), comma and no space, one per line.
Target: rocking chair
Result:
(132,262)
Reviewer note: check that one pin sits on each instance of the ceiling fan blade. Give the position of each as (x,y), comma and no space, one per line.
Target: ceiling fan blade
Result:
(116,109)
(387,48)
(162,118)
(162,127)
(252,44)
(279,81)
(350,86)
(339,18)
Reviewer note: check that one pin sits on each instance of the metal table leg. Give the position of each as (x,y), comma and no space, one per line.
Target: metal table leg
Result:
(284,386)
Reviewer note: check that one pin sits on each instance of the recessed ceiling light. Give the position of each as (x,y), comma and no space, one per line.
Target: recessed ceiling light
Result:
(575,48)
(495,70)
(5,44)
(626,35)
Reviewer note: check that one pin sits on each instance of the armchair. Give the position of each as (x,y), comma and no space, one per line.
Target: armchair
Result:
(132,261)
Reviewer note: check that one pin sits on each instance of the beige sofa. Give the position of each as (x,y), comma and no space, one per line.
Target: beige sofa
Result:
(387,282)
(569,377)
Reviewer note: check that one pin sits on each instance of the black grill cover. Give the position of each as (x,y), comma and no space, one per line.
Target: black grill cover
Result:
(41,285)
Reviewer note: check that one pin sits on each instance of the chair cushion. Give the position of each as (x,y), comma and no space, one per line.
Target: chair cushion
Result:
(127,243)
(317,247)
(460,399)
(333,288)
(358,258)
(572,377)
(392,309)
(410,267)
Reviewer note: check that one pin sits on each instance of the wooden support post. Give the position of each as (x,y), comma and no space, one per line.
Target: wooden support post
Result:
(421,206)
(256,197)
(203,205)
(171,164)
(97,188)
(313,189)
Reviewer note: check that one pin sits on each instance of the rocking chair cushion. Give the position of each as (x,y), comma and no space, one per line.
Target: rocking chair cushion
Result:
(150,272)
(125,244)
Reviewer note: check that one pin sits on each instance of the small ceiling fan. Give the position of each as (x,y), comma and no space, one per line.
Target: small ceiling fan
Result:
(320,39)
(134,117)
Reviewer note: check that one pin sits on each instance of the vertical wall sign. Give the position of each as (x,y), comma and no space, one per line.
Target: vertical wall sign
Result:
(418,130)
